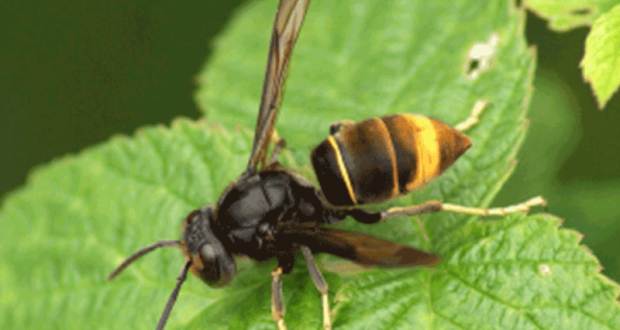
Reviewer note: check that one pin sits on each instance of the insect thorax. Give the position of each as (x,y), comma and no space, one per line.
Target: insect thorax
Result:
(249,212)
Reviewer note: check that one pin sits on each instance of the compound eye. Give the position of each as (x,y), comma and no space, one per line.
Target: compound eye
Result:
(210,252)
(210,260)
(218,267)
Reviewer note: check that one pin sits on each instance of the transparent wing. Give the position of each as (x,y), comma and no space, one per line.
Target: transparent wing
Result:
(360,248)
(286,27)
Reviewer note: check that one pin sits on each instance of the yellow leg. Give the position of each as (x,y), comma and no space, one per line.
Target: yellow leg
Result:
(320,284)
(435,206)
(277,303)
(279,144)
(523,207)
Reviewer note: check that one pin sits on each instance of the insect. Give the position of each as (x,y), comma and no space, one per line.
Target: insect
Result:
(273,212)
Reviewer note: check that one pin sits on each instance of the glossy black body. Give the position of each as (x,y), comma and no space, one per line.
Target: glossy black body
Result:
(247,221)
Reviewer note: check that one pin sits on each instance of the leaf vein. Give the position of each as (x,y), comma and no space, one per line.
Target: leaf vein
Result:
(120,173)
(488,295)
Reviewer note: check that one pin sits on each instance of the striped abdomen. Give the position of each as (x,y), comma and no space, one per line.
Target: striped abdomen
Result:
(381,158)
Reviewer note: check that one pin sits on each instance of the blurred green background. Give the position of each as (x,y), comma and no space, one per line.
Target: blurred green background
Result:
(73,73)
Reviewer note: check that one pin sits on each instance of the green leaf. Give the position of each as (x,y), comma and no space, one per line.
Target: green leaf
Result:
(564,15)
(357,59)
(79,217)
(518,273)
(601,62)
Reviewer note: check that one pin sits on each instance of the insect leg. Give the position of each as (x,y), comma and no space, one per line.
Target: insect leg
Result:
(140,253)
(368,217)
(320,283)
(523,207)
(173,297)
(473,118)
(280,144)
(277,302)
(434,206)
(335,127)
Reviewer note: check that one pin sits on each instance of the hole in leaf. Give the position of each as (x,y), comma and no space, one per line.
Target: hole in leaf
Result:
(473,65)
(544,269)
(480,55)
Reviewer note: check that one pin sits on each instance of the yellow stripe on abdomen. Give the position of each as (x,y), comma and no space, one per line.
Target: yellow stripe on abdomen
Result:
(427,150)
(342,168)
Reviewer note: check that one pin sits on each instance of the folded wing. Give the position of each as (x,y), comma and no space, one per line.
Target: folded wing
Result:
(360,248)
(286,27)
